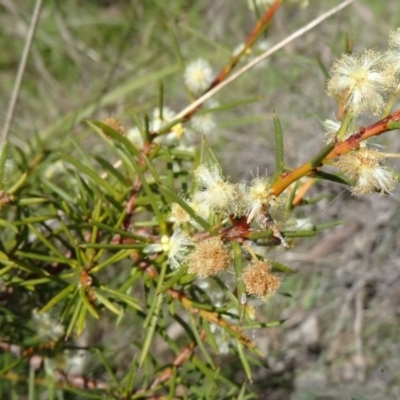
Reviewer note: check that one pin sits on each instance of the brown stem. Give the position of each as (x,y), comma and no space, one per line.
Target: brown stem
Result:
(261,25)
(352,143)
(179,360)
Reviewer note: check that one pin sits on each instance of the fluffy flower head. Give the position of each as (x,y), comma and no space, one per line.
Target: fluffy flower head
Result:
(365,78)
(176,246)
(393,55)
(365,169)
(161,118)
(47,329)
(135,137)
(205,122)
(198,76)
(215,192)
(178,214)
(258,196)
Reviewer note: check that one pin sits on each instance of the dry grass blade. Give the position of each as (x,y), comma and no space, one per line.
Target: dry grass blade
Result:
(21,69)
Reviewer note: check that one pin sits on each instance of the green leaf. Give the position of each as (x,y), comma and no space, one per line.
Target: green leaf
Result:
(31,201)
(178,53)
(244,360)
(3,160)
(152,199)
(201,366)
(33,282)
(278,267)
(35,219)
(106,303)
(261,325)
(8,225)
(279,150)
(213,43)
(41,257)
(77,311)
(56,189)
(108,167)
(176,277)
(108,368)
(124,298)
(200,343)
(59,297)
(6,269)
(81,320)
(127,86)
(48,244)
(240,287)
(109,246)
(322,66)
(17,185)
(149,333)
(87,303)
(104,129)
(329,225)
(317,160)
(289,234)
(120,232)
(170,194)
(92,174)
(331,177)
(121,255)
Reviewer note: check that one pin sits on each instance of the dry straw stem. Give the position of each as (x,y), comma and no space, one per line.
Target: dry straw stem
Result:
(21,70)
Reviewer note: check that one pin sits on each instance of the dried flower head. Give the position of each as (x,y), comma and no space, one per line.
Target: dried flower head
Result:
(114,124)
(259,281)
(215,192)
(210,257)
(5,198)
(198,76)
(176,246)
(364,78)
(364,167)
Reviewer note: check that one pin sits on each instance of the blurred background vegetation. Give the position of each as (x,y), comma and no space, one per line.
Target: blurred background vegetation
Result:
(99,58)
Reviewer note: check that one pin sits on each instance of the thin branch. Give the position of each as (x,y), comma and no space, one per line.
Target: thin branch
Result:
(21,70)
